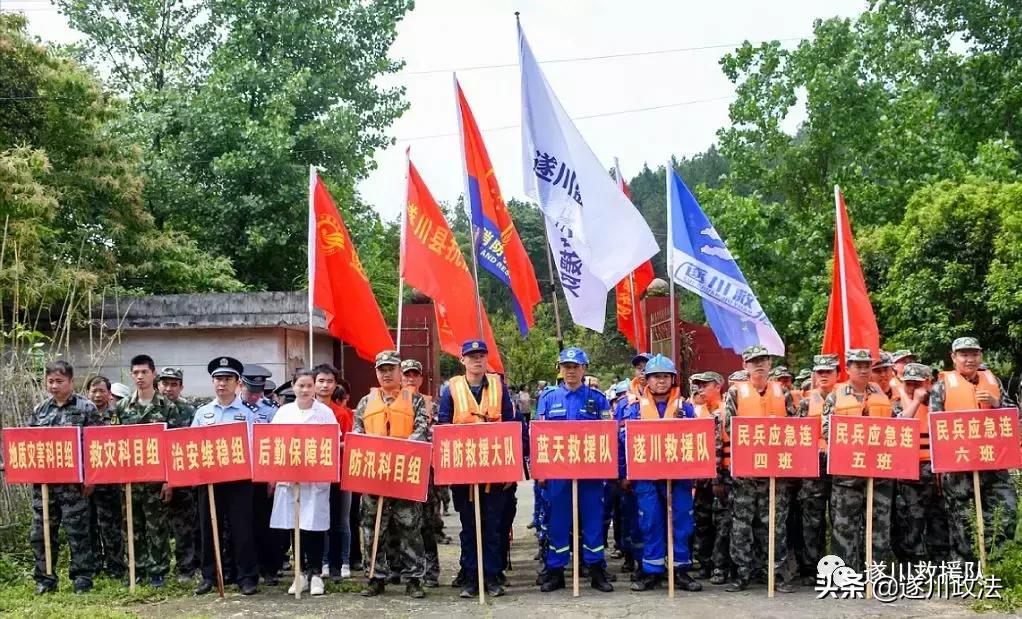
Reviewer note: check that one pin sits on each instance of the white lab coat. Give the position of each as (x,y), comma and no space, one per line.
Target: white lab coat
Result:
(315,498)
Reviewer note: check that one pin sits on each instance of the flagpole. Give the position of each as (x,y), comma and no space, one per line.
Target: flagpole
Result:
(401,254)
(553,284)
(474,232)
(839,227)
(631,276)
(668,170)
(312,251)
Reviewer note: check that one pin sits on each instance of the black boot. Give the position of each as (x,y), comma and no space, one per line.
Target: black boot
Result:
(374,587)
(646,582)
(628,565)
(736,585)
(414,590)
(684,581)
(554,580)
(599,578)
(719,577)
(702,573)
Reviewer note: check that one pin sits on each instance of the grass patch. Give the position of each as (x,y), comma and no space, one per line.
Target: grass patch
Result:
(109,599)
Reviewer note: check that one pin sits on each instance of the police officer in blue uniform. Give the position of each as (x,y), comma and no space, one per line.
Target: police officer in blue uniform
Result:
(478,384)
(270,543)
(233,499)
(659,399)
(574,401)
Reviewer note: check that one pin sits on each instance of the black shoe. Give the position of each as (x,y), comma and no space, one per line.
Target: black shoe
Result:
(204,587)
(784,586)
(430,583)
(583,571)
(394,579)
(83,586)
(554,580)
(460,580)
(248,588)
(702,573)
(414,590)
(684,581)
(374,587)
(469,591)
(719,577)
(271,580)
(156,581)
(541,577)
(356,566)
(42,588)
(494,589)
(736,585)
(647,582)
(599,579)
(809,581)
(628,566)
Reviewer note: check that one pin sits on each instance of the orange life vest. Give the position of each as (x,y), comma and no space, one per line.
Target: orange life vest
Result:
(923,415)
(466,409)
(703,410)
(396,419)
(960,394)
(752,404)
(875,403)
(816,400)
(648,409)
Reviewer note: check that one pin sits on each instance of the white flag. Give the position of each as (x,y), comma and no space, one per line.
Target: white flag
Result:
(596,235)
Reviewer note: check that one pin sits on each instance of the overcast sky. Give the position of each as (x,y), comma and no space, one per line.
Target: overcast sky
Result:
(440,35)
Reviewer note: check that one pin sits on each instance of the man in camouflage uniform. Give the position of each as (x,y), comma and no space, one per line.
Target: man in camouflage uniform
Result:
(750,495)
(883,373)
(152,528)
(68,503)
(108,536)
(181,506)
(712,512)
(967,387)
(920,513)
(814,492)
(400,516)
(858,396)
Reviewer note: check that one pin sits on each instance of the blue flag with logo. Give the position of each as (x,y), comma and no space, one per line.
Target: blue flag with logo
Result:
(702,264)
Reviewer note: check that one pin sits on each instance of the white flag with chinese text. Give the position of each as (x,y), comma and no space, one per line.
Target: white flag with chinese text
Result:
(597,236)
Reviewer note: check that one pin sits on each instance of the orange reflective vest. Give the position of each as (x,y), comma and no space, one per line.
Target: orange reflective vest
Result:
(396,419)
(769,404)
(466,409)
(960,394)
(648,409)
(923,415)
(874,403)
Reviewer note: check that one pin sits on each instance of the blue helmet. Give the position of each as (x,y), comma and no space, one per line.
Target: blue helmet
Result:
(573,355)
(660,365)
(621,388)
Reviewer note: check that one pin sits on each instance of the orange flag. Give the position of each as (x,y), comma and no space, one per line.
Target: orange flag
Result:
(432,262)
(630,320)
(337,283)
(851,322)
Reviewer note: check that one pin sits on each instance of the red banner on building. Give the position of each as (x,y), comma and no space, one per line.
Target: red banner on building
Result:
(124,454)
(384,466)
(573,449)
(308,453)
(978,440)
(43,455)
(670,449)
(873,447)
(775,447)
(207,454)
(473,453)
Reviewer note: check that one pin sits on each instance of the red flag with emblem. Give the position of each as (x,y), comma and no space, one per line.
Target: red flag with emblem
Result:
(432,262)
(337,283)
(630,319)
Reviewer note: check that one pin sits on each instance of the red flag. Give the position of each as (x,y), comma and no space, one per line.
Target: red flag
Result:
(432,262)
(851,322)
(630,319)
(337,283)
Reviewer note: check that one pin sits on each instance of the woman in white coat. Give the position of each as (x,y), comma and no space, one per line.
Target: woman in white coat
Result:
(315,497)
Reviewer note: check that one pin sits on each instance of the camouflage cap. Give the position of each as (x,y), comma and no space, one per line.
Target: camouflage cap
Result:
(915,372)
(965,343)
(858,354)
(754,352)
(388,357)
(884,361)
(707,377)
(807,385)
(411,364)
(823,363)
(900,354)
(780,371)
(803,375)
(169,372)
(738,377)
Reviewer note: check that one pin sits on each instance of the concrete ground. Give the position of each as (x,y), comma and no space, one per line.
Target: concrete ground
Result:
(525,600)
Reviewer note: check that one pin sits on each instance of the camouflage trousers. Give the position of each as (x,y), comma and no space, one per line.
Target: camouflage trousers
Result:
(813,495)
(183,513)
(68,508)
(430,514)
(1000,511)
(750,502)
(921,517)
(152,530)
(402,519)
(848,520)
(721,557)
(705,530)
(108,538)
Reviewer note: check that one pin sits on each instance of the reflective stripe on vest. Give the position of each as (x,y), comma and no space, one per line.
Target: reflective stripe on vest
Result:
(960,394)
(466,409)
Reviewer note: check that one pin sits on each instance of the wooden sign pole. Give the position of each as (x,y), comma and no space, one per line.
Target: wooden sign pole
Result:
(670,542)
(376,536)
(869,536)
(574,538)
(216,540)
(479,545)
(979,522)
(298,541)
(46,529)
(129,511)
(771,537)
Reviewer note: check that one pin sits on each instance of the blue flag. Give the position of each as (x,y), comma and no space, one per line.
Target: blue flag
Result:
(702,264)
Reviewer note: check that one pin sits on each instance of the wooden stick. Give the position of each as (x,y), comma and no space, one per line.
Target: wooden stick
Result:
(131,537)
(670,541)
(479,545)
(376,536)
(574,538)
(869,536)
(46,530)
(771,538)
(216,541)
(979,522)
(298,541)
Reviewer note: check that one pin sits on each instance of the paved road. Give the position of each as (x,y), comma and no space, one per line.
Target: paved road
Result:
(524,601)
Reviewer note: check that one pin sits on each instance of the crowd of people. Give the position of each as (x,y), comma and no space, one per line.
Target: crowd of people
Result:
(719,525)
